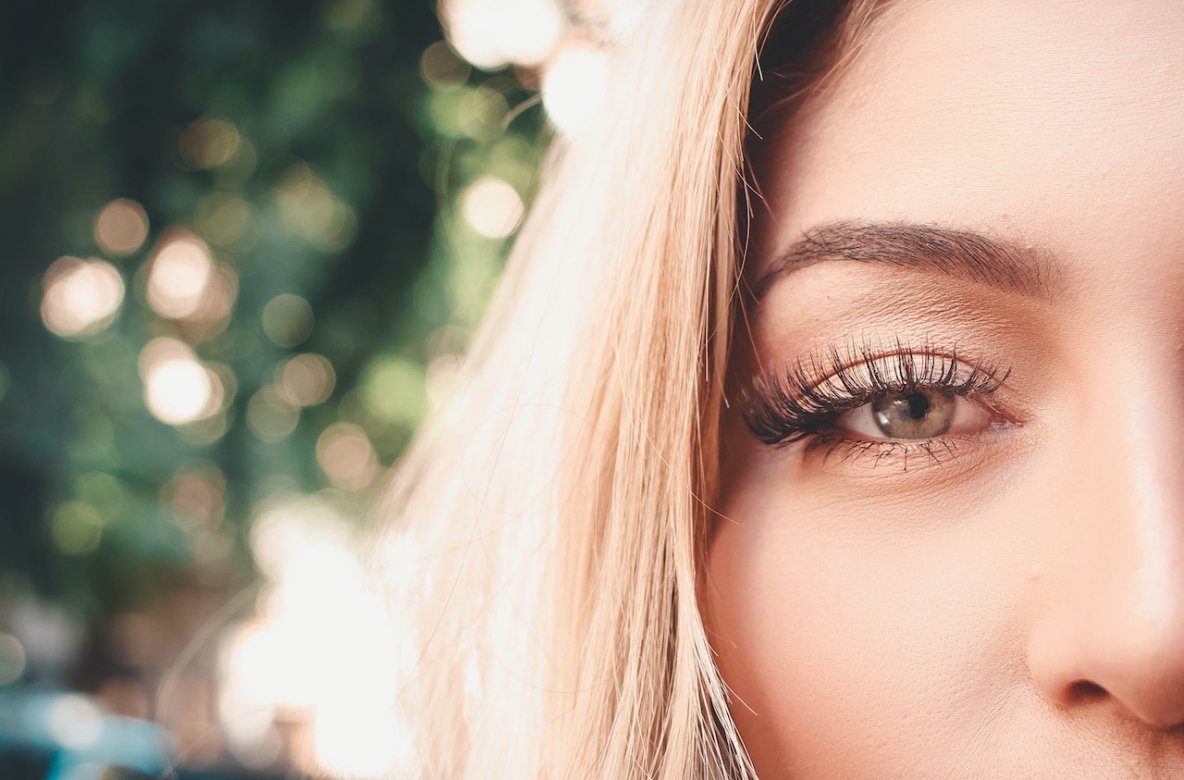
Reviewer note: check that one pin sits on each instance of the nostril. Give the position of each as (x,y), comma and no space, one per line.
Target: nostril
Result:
(1083,691)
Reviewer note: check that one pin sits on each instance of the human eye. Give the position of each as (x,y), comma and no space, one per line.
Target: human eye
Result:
(887,403)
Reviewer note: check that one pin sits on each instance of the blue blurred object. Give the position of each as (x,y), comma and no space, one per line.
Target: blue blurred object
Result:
(57,735)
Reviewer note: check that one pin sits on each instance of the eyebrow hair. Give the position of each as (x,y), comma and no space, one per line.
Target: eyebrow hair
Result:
(1024,270)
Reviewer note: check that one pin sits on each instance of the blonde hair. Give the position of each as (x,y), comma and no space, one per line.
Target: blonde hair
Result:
(545,529)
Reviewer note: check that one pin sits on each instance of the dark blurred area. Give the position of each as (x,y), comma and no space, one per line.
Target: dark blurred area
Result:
(243,245)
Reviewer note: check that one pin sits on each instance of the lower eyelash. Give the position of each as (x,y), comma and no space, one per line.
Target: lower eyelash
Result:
(845,449)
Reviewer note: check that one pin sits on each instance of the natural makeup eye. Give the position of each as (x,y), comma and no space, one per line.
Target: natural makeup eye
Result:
(866,400)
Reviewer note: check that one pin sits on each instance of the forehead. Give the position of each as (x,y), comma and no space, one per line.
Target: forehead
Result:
(1056,120)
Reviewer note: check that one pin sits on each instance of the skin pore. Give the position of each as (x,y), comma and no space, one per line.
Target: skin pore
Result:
(1006,597)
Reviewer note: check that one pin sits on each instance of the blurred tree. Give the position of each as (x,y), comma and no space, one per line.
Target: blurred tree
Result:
(278,222)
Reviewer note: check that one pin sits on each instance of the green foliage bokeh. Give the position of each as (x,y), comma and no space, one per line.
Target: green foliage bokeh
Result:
(332,139)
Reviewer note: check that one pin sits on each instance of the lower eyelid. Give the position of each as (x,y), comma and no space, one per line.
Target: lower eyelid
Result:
(885,456)
(884,451)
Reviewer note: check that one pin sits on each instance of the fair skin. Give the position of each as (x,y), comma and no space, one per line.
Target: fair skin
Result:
(1004,597)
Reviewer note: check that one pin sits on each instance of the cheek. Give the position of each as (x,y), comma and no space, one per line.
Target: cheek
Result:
(851,648)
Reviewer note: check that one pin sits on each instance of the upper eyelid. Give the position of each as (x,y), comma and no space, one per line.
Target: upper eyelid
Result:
(950,369)
(841,368)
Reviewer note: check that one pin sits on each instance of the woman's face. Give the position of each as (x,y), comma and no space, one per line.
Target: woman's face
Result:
(951,538)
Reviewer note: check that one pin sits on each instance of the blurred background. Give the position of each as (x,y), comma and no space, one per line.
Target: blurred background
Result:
(242,245)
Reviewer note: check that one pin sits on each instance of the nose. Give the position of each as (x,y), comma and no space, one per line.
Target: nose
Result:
(1112,633)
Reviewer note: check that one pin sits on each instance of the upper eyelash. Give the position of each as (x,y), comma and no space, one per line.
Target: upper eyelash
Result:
(781,407)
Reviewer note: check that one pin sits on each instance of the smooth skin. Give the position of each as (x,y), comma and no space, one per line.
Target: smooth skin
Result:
(1015,608)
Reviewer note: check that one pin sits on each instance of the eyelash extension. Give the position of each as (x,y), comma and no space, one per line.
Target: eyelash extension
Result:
(805,400)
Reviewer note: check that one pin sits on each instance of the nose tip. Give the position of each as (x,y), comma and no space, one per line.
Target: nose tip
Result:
(1125,652)
(1144,680)
(1147,675)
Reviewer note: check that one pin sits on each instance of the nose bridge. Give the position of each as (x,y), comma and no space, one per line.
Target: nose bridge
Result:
(1139,585)
(1135,473)
(1120,624)
(1135,482)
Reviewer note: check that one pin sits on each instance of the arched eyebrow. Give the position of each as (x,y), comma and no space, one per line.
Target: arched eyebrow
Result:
(1023,270)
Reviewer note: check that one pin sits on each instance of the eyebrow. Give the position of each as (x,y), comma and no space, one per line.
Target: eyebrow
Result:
(1024,270)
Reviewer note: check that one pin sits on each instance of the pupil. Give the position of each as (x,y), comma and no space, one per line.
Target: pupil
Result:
(918,405)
